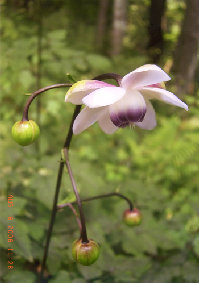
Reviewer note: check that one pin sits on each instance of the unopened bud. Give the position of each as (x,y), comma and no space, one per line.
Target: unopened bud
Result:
(25,132)
(132,217)
(85,253)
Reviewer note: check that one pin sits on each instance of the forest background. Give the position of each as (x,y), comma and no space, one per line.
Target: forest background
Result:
(42,41)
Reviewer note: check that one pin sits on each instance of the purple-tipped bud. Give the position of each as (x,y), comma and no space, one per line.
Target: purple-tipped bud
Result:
(132,217)
(25,132)
(85,253)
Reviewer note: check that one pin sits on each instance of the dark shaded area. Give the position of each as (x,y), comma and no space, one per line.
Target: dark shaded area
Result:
(156,31)
(186,53)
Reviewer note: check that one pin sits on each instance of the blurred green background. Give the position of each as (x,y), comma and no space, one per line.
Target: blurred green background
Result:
(42,41)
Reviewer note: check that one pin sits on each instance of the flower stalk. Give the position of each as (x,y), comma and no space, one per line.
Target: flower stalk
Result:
(112,107)
(61,166)
(109,76)
(106,76)
(83,234)
(36,93)
(131,206)
(57,189)
(75,214)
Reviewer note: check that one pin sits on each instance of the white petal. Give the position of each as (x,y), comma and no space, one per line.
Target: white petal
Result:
(163,95)
(105,123)
(104,96)
(82,88)
(149,121)
(86,118)
(77,98)
(143,76)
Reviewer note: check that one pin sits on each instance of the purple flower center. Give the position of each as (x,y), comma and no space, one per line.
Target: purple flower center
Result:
(124,118)
(130,109)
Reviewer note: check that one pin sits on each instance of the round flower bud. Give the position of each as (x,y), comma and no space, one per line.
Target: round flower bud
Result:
(85,253)
(25,132)
(132,217)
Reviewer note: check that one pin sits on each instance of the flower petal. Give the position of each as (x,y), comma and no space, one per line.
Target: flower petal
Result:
(86,118)
(149,121)
(103,96)
(143,76)
(163,95)
(131,108)
(81,89)
(105,123)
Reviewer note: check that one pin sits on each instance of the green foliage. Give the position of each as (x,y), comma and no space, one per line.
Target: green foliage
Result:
(157,170)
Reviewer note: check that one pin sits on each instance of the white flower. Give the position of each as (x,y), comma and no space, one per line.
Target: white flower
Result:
(117,107)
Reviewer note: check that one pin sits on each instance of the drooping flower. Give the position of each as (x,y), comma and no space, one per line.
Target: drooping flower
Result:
(117,107)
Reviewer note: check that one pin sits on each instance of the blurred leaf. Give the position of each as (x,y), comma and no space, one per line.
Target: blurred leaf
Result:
(98,62)
(22,242)
(196,245)
(18,277)
(61,277)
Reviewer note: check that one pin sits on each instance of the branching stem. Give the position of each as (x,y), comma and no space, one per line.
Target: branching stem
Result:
(131,206)
(83,235)
(35,94)
(117,78)
(107,76)
(111,76)
(76,215)
(57,189)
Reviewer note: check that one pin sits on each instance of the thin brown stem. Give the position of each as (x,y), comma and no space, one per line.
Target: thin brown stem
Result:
(111,76)
(60,171)
(83,235)
(131,206)
(106,76)
(76,215)
(52,219)
(70,131)
(36,93)
(57,189)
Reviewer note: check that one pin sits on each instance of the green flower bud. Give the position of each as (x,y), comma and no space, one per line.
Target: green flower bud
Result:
(25,132)
(132,217)
(85,253)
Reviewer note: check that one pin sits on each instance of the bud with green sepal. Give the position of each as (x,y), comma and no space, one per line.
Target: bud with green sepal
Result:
(132,217)
(85,253)
(25,132)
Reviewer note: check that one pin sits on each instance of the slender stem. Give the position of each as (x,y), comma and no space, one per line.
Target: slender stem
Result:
(52,219)
(60,171)
(76,215)
(58,184)
(70,131)
(83,235)
(39,91)
(107,76)
(131,206)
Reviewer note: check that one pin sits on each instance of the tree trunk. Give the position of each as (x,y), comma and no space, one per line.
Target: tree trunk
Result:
(156,40)
(101,23)
(119,25)
(185,56)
